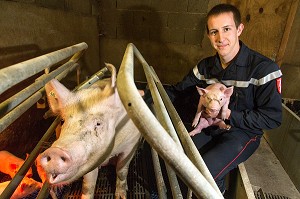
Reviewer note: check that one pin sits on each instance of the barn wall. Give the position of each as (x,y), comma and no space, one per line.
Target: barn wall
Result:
(172,37)
(291,62)
(32,28)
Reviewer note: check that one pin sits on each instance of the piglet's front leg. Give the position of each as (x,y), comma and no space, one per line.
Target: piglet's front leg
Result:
(196,119)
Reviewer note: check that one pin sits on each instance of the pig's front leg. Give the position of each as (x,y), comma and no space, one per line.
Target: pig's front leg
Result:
(89,184)
(122,167)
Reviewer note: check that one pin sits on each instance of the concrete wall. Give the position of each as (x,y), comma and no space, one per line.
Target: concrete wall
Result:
(33,28)
(170,35)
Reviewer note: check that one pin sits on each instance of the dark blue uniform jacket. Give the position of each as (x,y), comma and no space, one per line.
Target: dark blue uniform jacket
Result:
(256,102)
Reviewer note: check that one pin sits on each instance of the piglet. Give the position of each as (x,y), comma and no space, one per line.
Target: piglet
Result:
(214,101)
(10,164)
(25,188)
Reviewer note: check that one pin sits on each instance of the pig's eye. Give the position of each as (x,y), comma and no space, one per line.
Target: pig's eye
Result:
(98,124)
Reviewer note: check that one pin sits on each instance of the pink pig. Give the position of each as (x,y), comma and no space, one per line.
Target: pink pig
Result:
(213,99)
(10,164)
(96,129)
(25,188)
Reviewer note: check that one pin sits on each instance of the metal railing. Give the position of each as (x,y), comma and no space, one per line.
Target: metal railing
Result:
(190,168)
(15,106)
(161,135)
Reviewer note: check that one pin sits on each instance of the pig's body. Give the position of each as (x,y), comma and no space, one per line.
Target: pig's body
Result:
(25,188)
(96,128)
(10,164)
(214,100)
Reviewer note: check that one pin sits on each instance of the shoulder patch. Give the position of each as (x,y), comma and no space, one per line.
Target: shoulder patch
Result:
(278,85)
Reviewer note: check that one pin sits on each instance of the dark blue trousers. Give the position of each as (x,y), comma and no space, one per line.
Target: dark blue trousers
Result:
(223,150)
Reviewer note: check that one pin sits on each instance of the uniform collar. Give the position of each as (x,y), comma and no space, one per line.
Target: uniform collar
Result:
(241,58)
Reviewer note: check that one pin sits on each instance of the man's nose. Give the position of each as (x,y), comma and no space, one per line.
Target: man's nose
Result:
(220,37)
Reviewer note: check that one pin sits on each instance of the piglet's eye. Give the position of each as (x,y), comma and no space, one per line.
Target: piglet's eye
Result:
(98,124)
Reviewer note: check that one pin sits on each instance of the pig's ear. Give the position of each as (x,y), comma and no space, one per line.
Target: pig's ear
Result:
(57,95)
(201,91)
(228,91)
(113,72)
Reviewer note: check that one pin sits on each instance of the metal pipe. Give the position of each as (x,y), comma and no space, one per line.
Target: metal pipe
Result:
(35,152)
(16,73)
(15,100)
(162,115)
(10,117)
(186,140)
(154,133)
(11,187)
(189,146)
(92,79)
(160,183)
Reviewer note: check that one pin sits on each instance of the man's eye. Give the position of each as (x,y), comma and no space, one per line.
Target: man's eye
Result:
(213,33)
(226,29)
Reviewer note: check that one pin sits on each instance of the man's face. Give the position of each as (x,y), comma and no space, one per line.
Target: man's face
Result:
(224,35)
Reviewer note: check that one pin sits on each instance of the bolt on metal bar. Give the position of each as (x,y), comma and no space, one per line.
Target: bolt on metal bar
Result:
(154,133)
(16,73)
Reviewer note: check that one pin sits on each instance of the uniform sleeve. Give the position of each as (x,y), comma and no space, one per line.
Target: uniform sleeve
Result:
(189,80)
(267,111)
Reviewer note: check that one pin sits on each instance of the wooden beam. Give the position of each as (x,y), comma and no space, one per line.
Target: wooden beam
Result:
(286,34)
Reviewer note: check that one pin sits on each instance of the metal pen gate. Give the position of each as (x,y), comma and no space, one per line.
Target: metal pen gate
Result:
(158,131)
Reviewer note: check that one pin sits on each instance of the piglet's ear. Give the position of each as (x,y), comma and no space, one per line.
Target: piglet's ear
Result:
(13,166)
(57,95)
(228,91)
(22,187)
(201,91)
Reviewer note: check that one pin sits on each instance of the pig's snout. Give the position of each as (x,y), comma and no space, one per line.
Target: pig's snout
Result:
(55,162)
(57,156)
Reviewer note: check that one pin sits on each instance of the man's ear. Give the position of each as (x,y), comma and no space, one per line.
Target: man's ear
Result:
(240,29)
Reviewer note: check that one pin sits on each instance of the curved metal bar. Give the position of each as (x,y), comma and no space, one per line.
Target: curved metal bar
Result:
(15,100)
(25,105)
(14,74)
(35,152)
(154,133)
(9,190)
(186,140)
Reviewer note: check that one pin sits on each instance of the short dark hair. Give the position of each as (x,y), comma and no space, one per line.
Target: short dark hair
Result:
(222,8)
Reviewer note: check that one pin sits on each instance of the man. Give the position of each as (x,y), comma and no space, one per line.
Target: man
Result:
(255,103)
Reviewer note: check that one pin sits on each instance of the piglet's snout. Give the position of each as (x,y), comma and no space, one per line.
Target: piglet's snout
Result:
(55,161)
